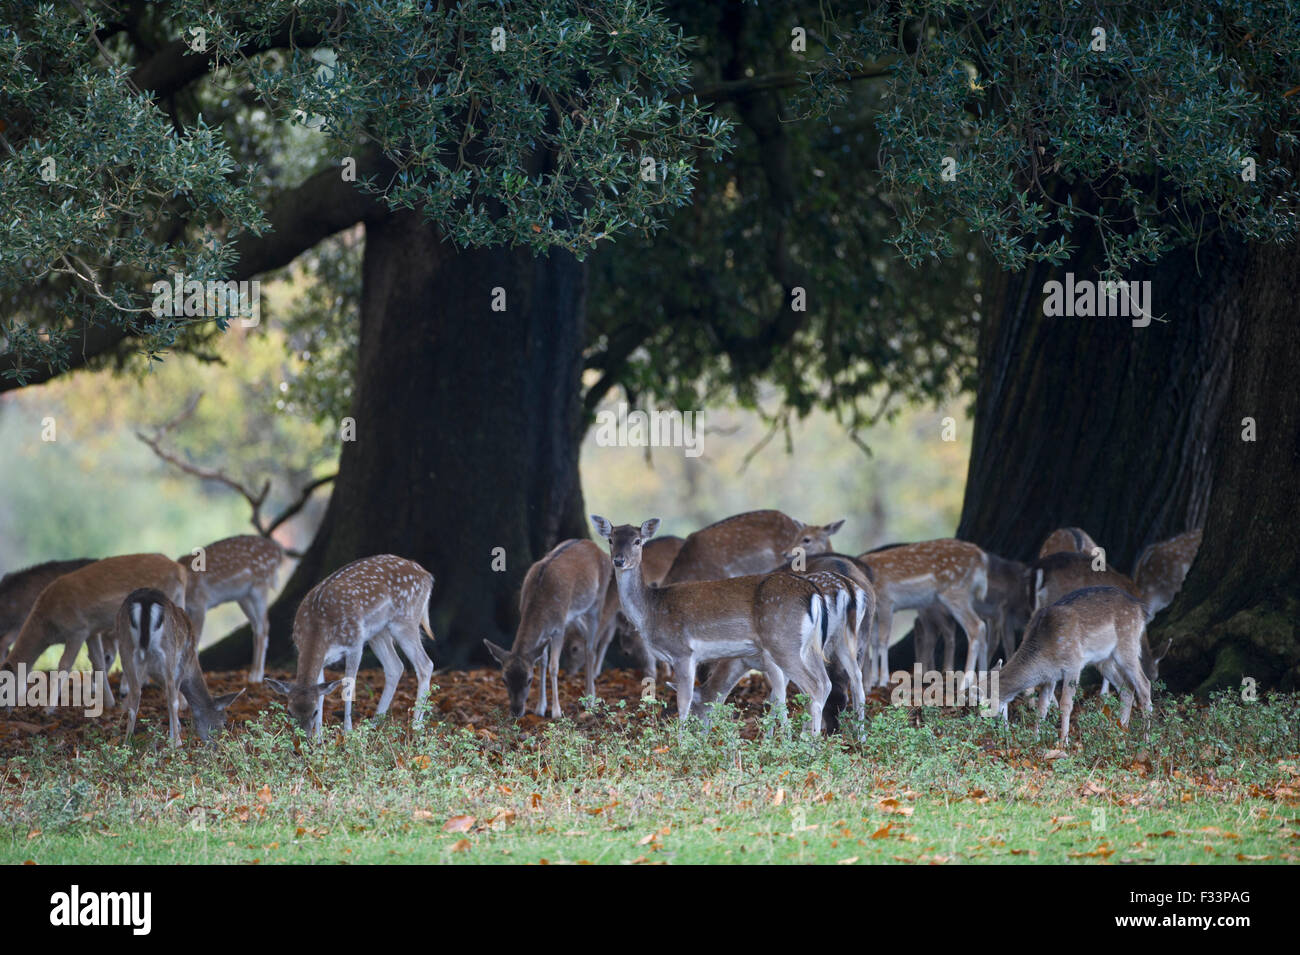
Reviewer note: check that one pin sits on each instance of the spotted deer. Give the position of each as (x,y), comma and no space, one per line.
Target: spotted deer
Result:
(947,573)
(1067,540)
(566,588)
(1058,574)
(19,590)
(749,543)
(242,569)
(1161,570)
(156,639)
(779,620)
(850,608)
(1005,610)
(1096,626)
(381,601)
(82,605)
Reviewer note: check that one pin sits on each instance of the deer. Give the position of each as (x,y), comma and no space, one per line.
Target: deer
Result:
(1099,626)
(82,605)
(657,557)
(1005,610)
(749,543)
(850,606)
(566,588)
(778,620)
(1067,540)
(156,639)
(382,601)
(947,573)
(1160,570)
(241,569)
(19,590)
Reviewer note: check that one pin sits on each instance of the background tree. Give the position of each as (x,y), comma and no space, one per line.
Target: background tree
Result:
(1135,143)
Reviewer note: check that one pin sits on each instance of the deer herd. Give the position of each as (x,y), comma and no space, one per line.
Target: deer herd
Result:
(756,591)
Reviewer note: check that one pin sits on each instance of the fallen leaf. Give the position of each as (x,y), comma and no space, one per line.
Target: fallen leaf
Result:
(458,824)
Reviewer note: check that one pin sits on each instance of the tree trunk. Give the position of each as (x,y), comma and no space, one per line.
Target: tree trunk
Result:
(1238,614)
(467,432)
(1091,422)
(1095,423)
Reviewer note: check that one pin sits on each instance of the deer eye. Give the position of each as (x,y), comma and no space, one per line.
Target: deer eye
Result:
(807,540)
(637,542)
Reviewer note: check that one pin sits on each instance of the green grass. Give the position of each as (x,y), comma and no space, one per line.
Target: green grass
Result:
(1213,783)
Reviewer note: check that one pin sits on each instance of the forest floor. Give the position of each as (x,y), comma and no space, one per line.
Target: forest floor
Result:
(1215,782)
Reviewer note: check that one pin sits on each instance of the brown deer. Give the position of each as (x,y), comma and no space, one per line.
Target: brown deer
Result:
(566,588)
(1005,610)
(155,639)
(1100,626)
(82,605)
(750,543)
(1058,574)
(1067,540)
(242,569)
(850,608)
(1161,570)
(19,590)
(380,601)
(779,620)
(947,573)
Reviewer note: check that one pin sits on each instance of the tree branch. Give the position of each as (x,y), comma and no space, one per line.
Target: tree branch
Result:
(255,499)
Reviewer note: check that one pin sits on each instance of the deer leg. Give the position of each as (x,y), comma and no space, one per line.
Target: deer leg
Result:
(722,679)
(197,613)
(588,627)
(923,640)
(878,674)
(318,722)
(382,645)
(132,690)
(254,607)
(409,640)
(777,681)
(172,693)
(684,671)
(69,657)
(1044,700)
(1068,684)
(959,606)
(1008,635)
(351,663)
(99,666)
(557,644)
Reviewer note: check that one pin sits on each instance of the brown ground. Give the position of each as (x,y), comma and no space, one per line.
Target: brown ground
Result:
(471,698)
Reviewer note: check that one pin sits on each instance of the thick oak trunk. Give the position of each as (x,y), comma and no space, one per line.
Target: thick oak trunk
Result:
(467,432)
(1095,423)
(1238,614)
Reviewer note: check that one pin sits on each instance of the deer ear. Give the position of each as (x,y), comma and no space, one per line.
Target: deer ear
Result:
(277,686)
(324,688)
(834,526)
(649,527)
(1164,650)
(499,653)
(602,526)
(225,700)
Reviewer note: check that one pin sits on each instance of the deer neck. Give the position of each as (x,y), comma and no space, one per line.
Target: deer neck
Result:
(634,595)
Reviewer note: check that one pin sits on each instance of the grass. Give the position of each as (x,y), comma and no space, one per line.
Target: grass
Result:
(621,783)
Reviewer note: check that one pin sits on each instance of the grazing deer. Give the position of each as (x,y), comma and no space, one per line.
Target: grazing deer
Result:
(1005,610)
(948,573)
(82,605)
(1101,626)
(749,543)
(1058,574)
(19,590)
(779,620)
(381,600)
(1160,570)
(242,569)
(1067,540)
(155,639)
(566,588)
